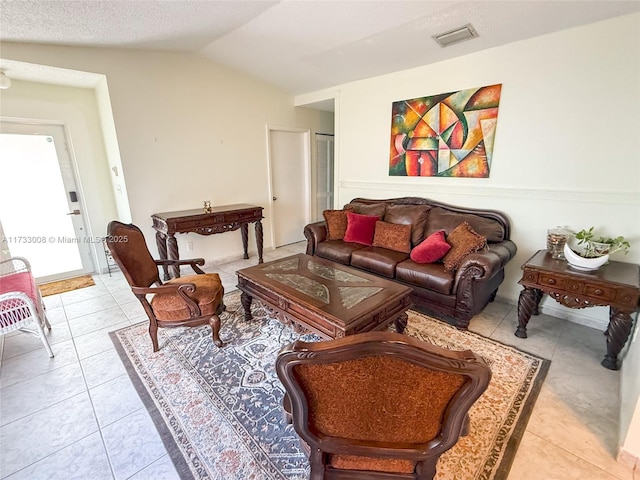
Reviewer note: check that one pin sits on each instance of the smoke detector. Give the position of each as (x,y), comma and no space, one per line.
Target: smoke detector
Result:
(457,35)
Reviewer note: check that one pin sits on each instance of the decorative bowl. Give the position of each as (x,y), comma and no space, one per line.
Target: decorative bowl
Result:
(581,263)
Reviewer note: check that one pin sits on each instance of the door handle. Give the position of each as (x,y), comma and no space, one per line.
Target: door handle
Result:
(75,212)
(275,198)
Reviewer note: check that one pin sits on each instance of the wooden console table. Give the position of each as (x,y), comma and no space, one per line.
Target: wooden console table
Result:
(222,219)
(616,285)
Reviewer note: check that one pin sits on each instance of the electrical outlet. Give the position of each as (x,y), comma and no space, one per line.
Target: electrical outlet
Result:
(190,246)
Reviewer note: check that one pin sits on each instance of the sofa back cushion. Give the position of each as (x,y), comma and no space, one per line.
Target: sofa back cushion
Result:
(414,215)
(378,209)
(442,219)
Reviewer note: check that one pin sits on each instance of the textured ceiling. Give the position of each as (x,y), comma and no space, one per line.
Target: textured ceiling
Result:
(299,45)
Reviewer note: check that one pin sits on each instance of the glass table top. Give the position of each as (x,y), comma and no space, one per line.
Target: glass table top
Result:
(288,273)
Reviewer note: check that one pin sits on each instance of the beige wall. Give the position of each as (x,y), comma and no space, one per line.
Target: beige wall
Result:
(188,130)
(567,148)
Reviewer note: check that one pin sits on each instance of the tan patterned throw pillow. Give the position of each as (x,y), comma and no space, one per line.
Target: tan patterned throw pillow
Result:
(336,223)
(392,236)
(463,240)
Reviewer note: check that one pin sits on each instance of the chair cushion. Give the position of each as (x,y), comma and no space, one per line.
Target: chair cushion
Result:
(13,311)
(19,282)
(336,223)
(392,236)
(389,465)
(360,228)
(432,249)
(463,240)
(208,295)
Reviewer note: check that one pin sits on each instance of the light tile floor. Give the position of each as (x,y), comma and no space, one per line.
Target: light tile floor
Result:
(77,416)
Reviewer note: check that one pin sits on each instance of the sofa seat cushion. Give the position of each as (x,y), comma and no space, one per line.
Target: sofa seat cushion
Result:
(431,276)
(381,261)
(337,250)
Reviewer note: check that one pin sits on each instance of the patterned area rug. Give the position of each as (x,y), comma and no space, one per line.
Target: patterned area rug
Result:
(61,286)
(219,410)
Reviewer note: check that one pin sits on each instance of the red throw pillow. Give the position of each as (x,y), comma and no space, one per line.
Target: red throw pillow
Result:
(431,249)
(360,228)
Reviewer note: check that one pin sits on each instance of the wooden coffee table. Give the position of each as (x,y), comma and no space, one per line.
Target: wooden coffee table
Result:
(324,297)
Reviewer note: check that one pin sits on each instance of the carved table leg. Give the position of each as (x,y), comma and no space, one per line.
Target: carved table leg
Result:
(539,294)
(245,299)
(617,334)
(161,242)
(401,322)
(259,240)
(527,304)
(244,231)
(172,253)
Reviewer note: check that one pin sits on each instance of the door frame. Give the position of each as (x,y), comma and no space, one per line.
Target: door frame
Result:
(68,146)
(307,171)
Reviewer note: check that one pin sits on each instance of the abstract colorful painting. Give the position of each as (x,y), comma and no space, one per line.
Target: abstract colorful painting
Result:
(446,135)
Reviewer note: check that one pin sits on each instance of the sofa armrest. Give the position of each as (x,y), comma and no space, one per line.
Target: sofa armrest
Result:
(315,233)
(485,264)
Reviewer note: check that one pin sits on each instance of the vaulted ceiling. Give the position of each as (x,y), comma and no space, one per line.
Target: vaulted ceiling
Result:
(298,45)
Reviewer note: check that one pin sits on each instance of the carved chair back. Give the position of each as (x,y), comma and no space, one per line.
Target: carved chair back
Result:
(379,404)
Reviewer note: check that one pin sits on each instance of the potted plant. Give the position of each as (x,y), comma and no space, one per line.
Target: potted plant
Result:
(594,252)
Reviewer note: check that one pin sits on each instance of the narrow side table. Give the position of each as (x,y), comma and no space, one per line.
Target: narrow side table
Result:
(616,285)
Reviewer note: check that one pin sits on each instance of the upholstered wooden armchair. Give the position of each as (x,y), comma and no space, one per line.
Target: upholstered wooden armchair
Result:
(378,405)
(185,301)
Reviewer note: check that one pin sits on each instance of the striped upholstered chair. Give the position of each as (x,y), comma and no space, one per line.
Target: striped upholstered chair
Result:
(378,405)
(185,301)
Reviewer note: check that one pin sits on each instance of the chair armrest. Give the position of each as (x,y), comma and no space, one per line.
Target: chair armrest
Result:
(182,289)
(165,288)
(193,262)
(315,233)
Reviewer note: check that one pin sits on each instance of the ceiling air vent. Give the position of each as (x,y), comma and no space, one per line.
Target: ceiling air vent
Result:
(456,36)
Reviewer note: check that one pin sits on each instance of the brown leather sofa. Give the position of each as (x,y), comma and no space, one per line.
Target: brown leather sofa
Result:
(459,294)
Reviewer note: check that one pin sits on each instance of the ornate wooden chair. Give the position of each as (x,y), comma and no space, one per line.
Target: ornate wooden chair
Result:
(185,301)
(378,405)
(21,306)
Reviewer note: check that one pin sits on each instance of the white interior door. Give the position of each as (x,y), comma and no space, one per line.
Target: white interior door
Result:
(41,215)
(289,161)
